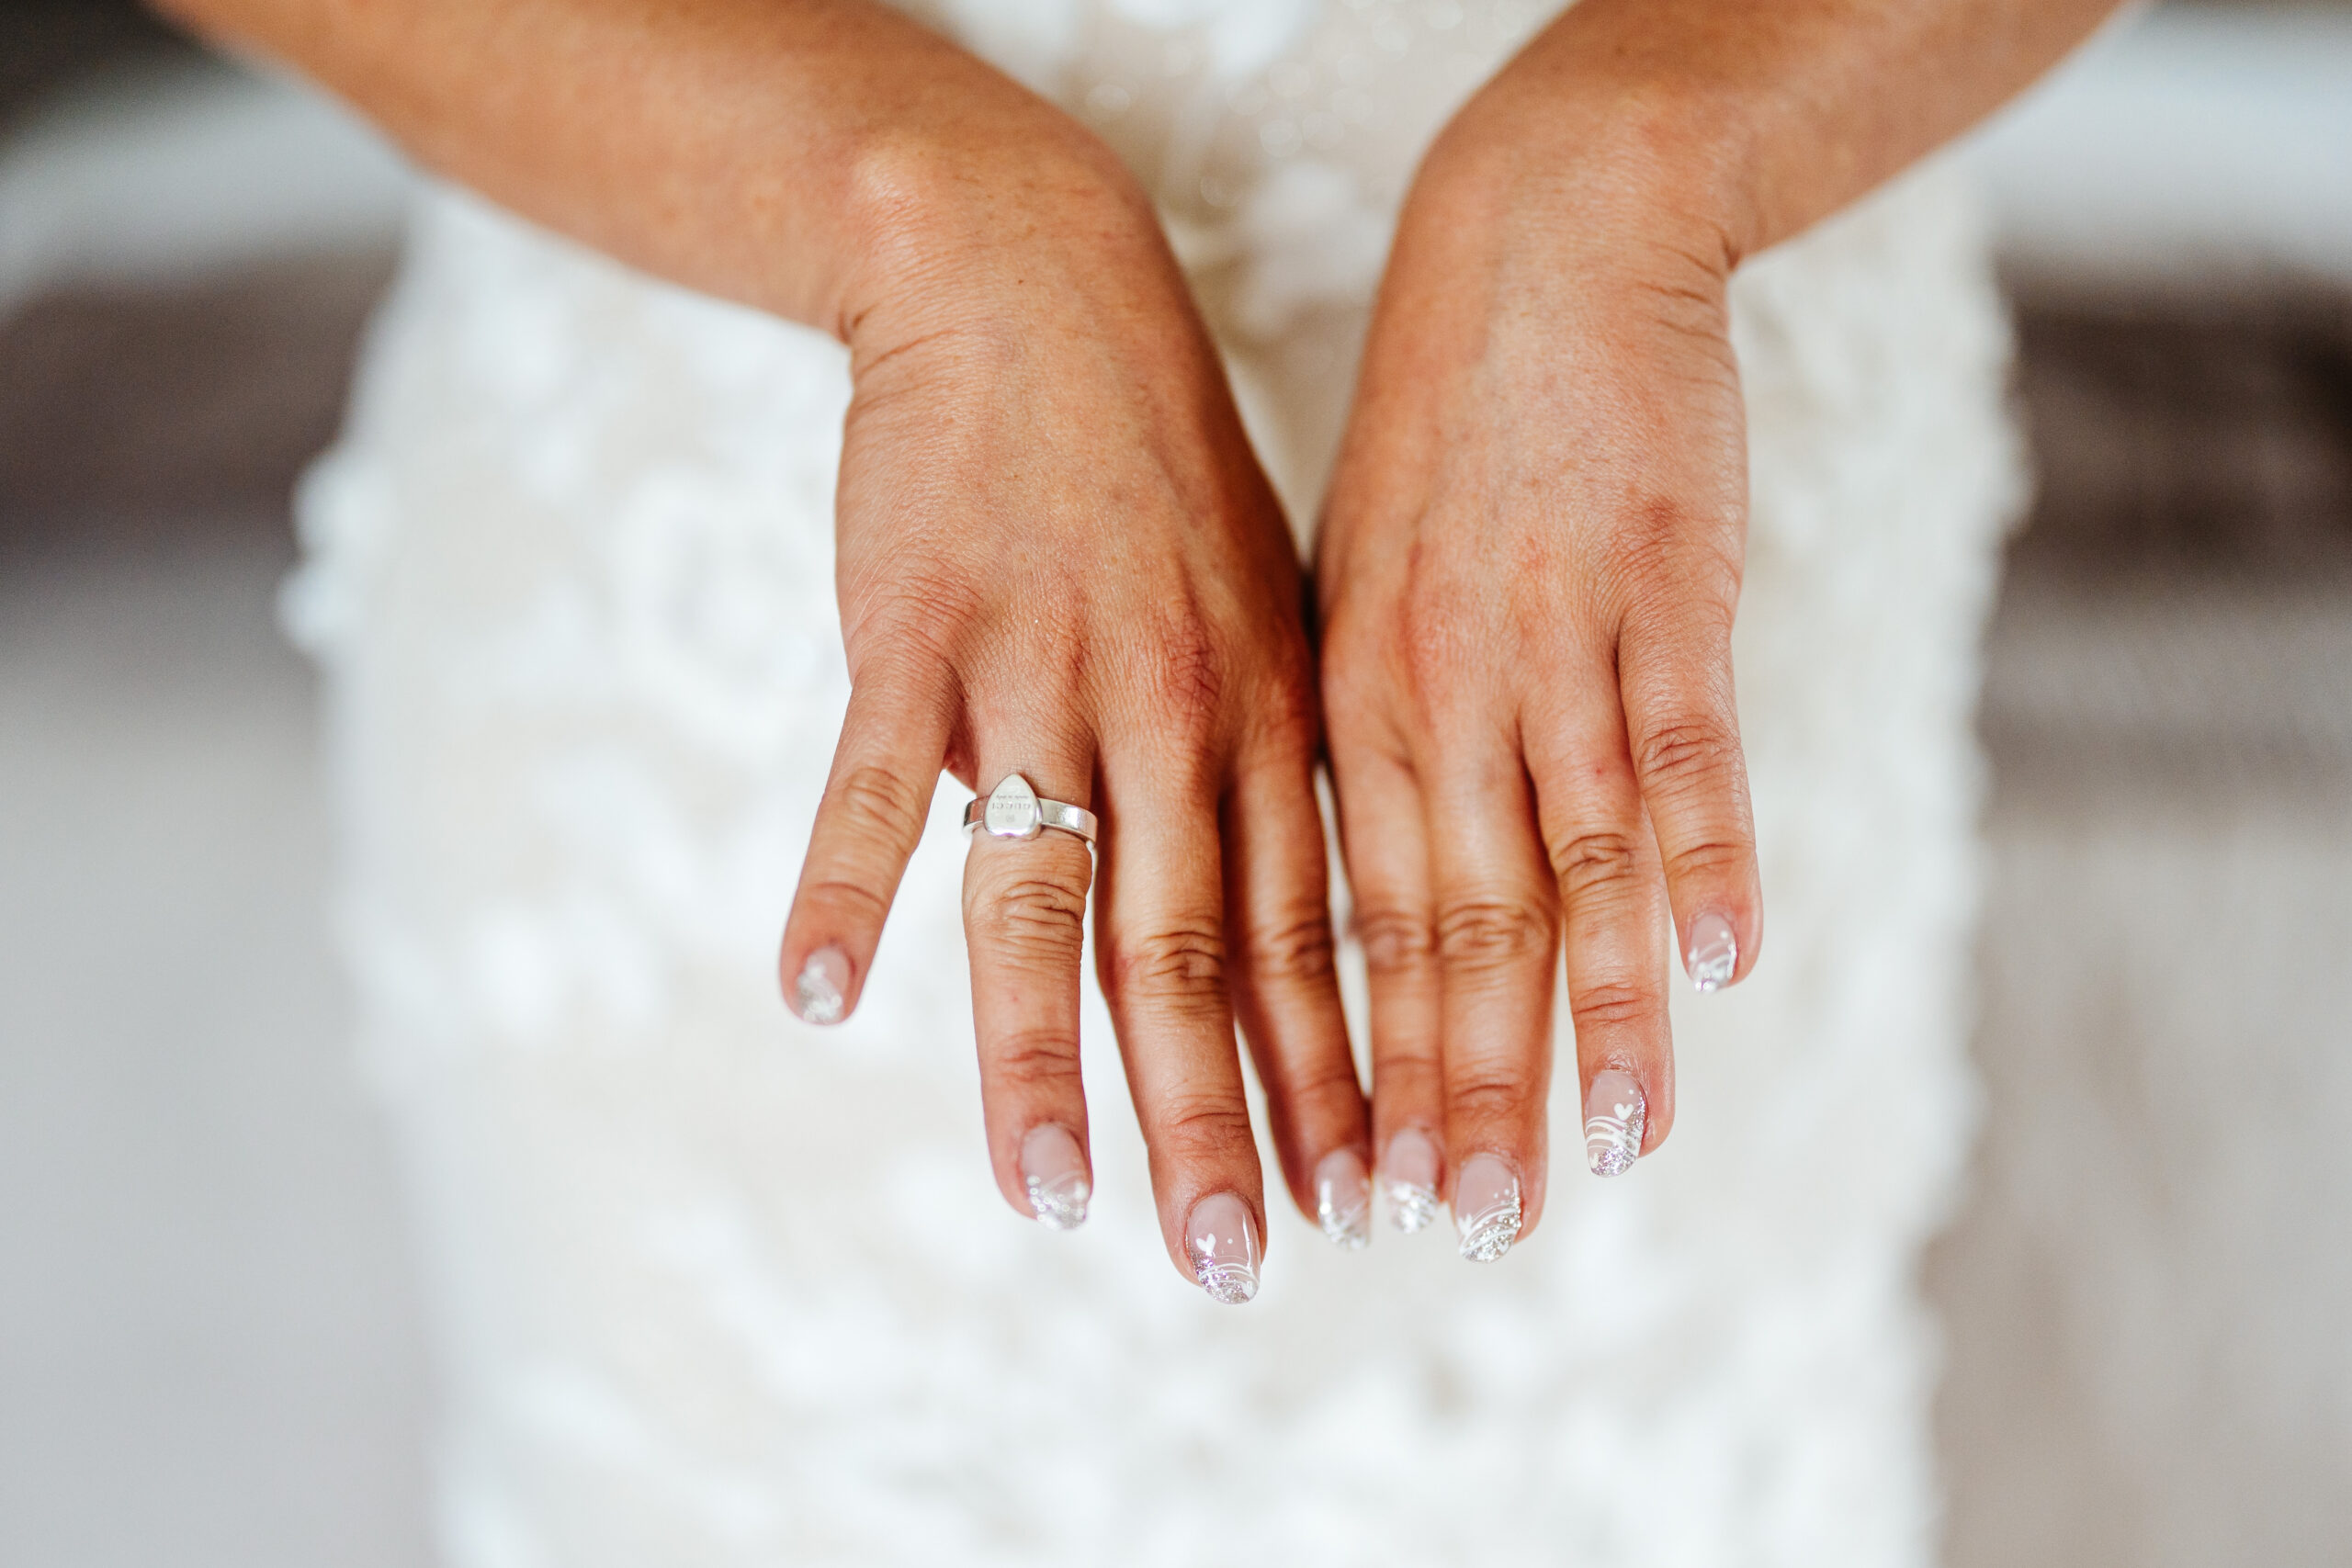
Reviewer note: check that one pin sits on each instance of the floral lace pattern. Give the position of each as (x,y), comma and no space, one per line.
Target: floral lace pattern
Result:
(715,1288)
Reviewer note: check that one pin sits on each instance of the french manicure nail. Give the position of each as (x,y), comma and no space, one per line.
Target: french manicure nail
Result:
(1221,1239)
(1613,1110)
(1343,1199)
(1409,1173)
(1714,957)
(818,995)
(1485,1207)
(1053,1168)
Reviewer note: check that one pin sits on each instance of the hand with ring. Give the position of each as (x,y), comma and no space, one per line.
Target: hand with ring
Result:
(1062,570)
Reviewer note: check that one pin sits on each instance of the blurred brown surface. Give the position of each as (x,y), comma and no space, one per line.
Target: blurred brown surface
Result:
(2201,441)
(2145,1290)
(46,43)
(126,418)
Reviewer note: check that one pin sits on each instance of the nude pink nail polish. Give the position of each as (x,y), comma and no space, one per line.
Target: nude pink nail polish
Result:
(821,994)
(1409,1173)
(1713,957)
(1052,1169)
(1221,1241)
(1487,1207)
(1614,1111)
(1343,1199)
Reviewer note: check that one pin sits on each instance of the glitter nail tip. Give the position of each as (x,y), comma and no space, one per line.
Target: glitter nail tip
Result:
(1409,1175)
(820,995)
(1229,1284)
(1486,1208)
(1613,1114)
(1061,1203)
(1411,1206)
(1714,954)
(1221,1240)
(1053,1171)
(1343,1199)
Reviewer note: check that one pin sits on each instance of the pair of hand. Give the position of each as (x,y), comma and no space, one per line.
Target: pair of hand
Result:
(1059,558)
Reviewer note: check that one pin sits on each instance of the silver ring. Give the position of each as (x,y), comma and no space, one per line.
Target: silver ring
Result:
(1013,811)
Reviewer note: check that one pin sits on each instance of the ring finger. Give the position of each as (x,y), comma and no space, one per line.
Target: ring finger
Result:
(1024,909)
(1497,941)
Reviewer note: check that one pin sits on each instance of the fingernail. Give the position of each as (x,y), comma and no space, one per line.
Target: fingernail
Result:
(1409,1173)
(823,985)
(1485,1207)
(1343,1199)
(1614,1109)
(1222,1241)
(1053,1168)
(1714,957)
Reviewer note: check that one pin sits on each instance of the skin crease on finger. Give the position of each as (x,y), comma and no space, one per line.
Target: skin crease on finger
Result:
(1540,497)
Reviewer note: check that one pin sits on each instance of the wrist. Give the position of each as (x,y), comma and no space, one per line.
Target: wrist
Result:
(967,231)
(1607,160)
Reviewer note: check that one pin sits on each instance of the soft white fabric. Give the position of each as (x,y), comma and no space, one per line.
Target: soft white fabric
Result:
(715,1288)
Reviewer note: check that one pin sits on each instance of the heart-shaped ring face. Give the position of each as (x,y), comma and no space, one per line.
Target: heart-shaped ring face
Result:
(1012,810)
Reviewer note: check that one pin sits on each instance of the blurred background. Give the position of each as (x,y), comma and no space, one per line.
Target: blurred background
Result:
(210,1346)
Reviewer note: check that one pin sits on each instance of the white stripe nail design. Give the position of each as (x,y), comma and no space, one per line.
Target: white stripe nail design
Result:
(1613,1114)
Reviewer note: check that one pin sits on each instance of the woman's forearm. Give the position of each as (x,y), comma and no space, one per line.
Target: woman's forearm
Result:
(1766,118)
(787,153)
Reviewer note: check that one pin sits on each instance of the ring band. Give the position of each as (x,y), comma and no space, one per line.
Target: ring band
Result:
(1013,811)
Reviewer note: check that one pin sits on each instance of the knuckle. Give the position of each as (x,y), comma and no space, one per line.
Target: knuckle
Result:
(1032,918)
(1198,1128)
(1293,950)
(1488,1095)
(1407,1077)
(1678,564)
(1395,940)
(852,900)
(1480,934)
(1648,532)
(1328,1085)
(1686,753)
(1611,1005)
(1185,678)
(872,800)
(1586,862)
(1709,861)
(1034,1059)
(1183,963)
(895,629)
(1426,643)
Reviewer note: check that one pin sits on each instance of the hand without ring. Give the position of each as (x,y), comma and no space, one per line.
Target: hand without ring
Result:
(1013,811)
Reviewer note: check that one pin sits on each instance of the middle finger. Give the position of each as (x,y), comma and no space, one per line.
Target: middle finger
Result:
(1160,953)
(1497,941)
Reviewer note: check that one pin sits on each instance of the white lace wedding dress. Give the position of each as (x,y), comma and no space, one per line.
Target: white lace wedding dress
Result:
(715,1288)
